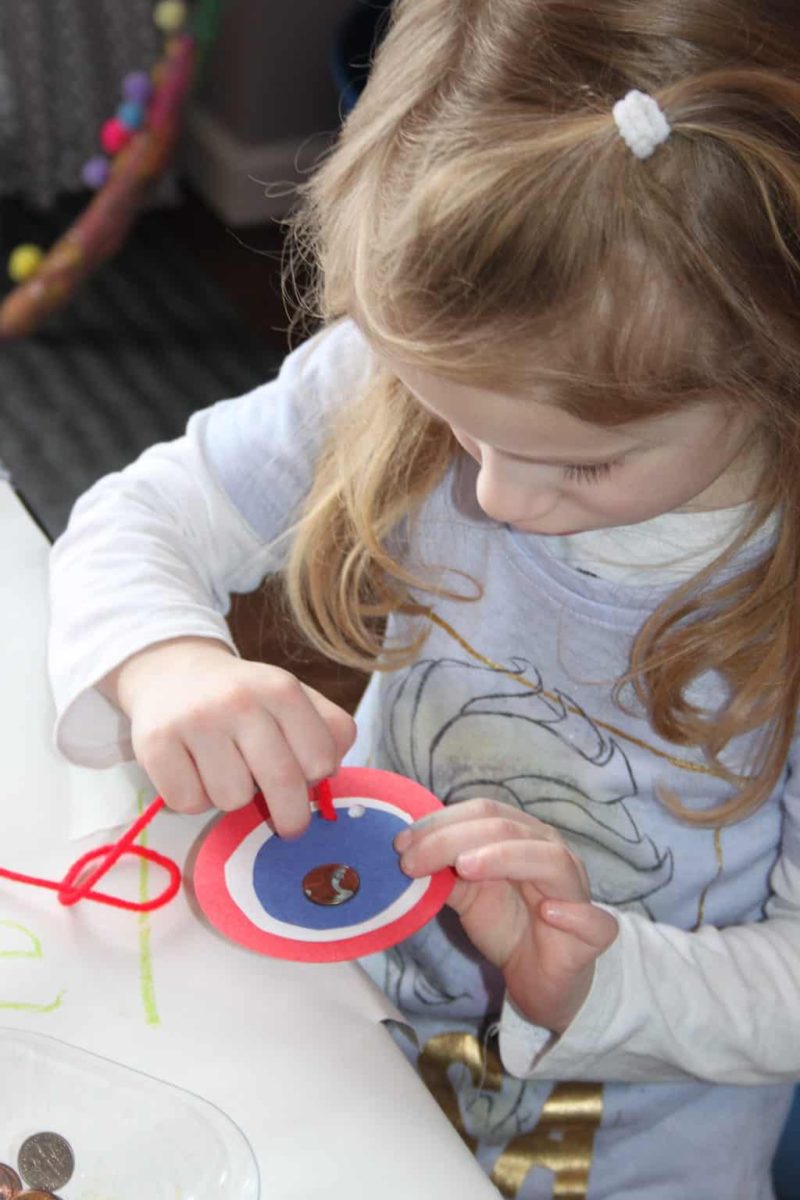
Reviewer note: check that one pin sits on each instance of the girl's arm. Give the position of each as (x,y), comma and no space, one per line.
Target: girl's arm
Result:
(720,1005)
(153,553)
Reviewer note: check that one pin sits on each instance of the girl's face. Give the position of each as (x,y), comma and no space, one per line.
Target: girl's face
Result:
(546,472)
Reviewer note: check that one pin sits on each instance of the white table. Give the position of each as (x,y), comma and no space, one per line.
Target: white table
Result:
(294,1055)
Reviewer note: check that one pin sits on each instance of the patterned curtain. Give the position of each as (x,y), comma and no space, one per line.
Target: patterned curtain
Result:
(61,65)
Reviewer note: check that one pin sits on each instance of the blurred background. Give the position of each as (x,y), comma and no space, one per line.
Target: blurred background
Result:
(188,309)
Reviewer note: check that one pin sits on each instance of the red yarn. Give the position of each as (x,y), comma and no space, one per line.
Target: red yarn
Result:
(70,891)
(322,798)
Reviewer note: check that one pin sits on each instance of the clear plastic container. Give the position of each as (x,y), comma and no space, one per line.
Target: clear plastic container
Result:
(133,1136)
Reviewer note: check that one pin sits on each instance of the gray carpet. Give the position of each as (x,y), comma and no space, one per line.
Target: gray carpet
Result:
(149,340)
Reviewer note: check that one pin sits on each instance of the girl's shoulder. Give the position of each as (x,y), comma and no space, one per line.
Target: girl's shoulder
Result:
(313,382)
(337,357)
(261,447)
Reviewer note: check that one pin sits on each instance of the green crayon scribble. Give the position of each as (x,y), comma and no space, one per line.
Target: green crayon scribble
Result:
(18,1006)
(35,950)
(146,979)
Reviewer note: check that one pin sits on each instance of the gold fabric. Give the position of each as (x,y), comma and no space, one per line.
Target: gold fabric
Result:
(563,1140)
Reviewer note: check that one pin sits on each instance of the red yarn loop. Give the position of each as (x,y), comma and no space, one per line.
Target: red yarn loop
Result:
(70,890)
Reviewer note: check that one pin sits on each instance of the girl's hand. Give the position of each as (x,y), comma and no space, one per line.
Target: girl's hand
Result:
(209,728)
(523,898)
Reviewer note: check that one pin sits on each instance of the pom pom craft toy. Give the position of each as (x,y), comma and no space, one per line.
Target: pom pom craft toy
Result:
(139,140)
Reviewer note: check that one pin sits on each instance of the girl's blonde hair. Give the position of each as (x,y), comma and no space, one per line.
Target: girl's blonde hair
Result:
(481,217)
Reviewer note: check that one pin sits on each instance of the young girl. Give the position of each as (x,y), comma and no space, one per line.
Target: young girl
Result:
(539,470)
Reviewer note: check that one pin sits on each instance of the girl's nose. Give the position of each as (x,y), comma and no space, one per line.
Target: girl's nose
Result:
(503,497)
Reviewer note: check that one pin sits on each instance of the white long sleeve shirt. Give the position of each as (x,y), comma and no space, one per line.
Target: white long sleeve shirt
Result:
(510,697)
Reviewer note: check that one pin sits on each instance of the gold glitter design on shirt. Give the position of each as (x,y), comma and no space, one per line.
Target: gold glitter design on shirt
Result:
(561,1142)
(682,763)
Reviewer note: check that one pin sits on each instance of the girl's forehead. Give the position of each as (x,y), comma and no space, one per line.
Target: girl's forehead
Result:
(518,422)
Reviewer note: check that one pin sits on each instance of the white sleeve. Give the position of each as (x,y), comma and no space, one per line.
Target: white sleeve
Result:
(154,551)
(719,1005)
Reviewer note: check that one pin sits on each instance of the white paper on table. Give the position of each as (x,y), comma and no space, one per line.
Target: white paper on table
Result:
(101,800)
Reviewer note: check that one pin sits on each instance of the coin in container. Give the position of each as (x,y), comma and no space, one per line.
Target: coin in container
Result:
(10,1182)
(46,1161)
(331,883)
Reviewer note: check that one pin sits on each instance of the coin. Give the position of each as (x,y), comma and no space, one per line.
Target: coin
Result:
(331,883)
(46,1161)
(10,1182)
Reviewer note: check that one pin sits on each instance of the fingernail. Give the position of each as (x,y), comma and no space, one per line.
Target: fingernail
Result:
(407,863)
(468,862)
(402,840)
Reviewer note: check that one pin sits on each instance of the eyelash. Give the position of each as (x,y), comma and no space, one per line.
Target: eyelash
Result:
(588,474)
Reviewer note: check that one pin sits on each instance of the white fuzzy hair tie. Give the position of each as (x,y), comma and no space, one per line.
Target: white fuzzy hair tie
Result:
(641,123)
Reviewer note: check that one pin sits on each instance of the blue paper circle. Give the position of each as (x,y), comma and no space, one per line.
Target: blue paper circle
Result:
(364,843)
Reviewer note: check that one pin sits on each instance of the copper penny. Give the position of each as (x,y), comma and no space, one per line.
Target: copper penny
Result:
(46,1161)
(331,883)
(10,1182)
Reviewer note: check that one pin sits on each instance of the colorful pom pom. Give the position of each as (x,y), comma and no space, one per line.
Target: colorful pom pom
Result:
(174,46)
(170,15)
(137,88)
(114,136)
(131,115)
(24,262)
(95,172)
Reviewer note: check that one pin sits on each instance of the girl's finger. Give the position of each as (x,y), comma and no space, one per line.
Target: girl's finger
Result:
(551,867)
(591,925)
(479,809)
(225,775)
(274,768)
(441,845)
(175,777)
(309,738)
(341,725)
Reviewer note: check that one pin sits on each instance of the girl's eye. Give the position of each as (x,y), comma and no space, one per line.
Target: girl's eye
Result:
(588,474)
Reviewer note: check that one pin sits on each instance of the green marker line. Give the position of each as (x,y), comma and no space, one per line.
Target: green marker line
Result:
(36,946)
(146,979)
(34,1008)
(35,951)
